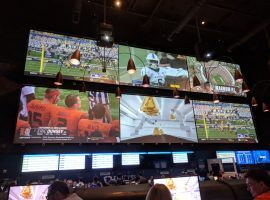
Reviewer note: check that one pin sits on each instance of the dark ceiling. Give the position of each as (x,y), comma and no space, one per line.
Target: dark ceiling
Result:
(167,25)
(232,27)
(238,29)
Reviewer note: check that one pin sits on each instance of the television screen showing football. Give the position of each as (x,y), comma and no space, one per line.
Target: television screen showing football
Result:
(214,76)
(145,119)
(165,70)
(224,123)
(47,53)
(49,115)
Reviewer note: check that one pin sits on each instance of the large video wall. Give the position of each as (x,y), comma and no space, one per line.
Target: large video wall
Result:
(48,53)
(49,115)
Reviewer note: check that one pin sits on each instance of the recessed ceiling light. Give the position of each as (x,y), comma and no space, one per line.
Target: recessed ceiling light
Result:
(117,3)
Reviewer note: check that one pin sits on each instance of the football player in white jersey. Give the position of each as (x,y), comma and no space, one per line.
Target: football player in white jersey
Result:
(153,71)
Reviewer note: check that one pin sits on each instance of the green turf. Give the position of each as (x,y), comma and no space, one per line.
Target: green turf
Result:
(218,133)
(218,80)
(67,70)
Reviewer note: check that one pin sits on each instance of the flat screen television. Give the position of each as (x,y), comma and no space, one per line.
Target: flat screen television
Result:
(261,156)
(182,187)
(130,159)
(165,70)
(180,157)
(72,161)
(40,162)
(49,115)
(31,192)
(102,161)
(214,76)
(147,119)
(226,156)
(244,157)
(224,123)
(48,52)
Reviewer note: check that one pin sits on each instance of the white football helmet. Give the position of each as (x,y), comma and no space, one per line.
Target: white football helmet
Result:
(152,60)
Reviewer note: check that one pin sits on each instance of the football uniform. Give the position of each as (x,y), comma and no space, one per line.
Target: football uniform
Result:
(156,76)
(65,117)
(39,113)
(88,127)
(21,127)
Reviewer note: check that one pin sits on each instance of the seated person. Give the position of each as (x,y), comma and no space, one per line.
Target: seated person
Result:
(96,183)
(59,191)
(159,192)
(258,184)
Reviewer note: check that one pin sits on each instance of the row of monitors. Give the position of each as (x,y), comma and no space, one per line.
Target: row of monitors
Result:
(244,157)
(48,52)
(180,188)
(67,116)
(51,162)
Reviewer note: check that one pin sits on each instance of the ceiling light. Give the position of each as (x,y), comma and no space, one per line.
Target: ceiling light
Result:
(245,87)
(176,93)
(187,101)
(265,107)
(196,82)
(208,55)
(203,22)
(118,93)
(254,102)
(215,98)
(58,79)
(238,76)
(117,3)
(75,58)
(131,68)
(146,82)
(83,87)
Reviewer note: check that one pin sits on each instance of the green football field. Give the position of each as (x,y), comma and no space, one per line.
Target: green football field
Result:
(218,80)
(114,102)
(219,134)
(67,70)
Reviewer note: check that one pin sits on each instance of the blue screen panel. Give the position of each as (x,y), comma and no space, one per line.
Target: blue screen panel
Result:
(261,156)
(244,157)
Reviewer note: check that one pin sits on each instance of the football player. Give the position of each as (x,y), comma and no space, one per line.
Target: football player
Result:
(68,116)
(39,111)
(153,71)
